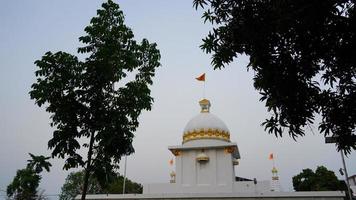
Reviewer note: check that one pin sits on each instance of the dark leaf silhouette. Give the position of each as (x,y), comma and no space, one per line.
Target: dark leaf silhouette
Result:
(303,56)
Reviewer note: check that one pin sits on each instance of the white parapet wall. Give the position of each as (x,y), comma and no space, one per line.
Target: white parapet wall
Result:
(250,187)
(325,195)
(236,187)
(353,188)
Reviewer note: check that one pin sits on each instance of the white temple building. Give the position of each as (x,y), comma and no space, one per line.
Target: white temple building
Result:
(206,160)
(205,169)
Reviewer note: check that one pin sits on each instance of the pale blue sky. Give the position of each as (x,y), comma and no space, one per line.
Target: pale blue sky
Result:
(30,28)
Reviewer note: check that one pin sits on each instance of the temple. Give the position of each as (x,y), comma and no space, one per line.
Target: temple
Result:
(206,160)
(205,169)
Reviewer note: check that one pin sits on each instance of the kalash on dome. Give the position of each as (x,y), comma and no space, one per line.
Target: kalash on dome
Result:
(206,160)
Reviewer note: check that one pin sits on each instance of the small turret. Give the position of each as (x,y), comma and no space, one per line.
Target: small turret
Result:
(275,185)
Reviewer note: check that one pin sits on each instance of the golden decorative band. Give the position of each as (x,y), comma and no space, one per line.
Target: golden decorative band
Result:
(206,134)
(176,152)
(229,149)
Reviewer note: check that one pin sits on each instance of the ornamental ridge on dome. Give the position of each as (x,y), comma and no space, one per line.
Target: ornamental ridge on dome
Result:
(206,126)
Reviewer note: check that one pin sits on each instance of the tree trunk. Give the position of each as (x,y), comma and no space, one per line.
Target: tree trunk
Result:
(88,168)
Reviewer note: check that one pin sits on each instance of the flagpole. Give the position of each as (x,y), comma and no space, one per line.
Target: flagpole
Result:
(204,90)
(271,157)
(202,78)
(274,164)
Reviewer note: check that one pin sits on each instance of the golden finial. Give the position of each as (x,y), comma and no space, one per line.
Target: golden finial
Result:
(274,170)
(205,105)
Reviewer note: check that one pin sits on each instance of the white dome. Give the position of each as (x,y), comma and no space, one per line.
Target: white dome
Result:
(205,121)
(205,126)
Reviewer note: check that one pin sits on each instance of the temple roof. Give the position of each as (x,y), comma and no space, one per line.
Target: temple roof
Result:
(205,126)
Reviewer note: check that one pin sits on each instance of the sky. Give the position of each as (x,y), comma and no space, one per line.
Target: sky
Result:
(28,29)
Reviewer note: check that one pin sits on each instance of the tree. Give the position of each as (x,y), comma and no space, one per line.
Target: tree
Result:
(73,186)
(303,56)
(99,98)
(25,183)
(320,180)
(131,187)
(38,163)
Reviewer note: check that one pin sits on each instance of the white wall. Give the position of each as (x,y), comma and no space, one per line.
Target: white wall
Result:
(214,176)
(250,187)
(217,171)
(236,187)
(353,188)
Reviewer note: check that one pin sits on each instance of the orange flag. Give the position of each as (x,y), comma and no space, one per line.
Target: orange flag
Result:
(171,161)
(270,156)
(201,77)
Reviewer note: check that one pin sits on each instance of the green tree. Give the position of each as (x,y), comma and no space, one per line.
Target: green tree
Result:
(303,56)
(25,183)
(73,186)
(320,180)
(116,186)
(99,99)
(38,163)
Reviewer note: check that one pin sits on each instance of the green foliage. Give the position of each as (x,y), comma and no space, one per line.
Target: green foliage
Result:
(25,183)
(116,186)
(38,163)
(303,55)
(24,186)
(320,180)
(99,98)
(73,186)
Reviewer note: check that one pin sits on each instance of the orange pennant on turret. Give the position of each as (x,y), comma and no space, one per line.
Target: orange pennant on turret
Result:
(201,77)
(171,161)
(270,156)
